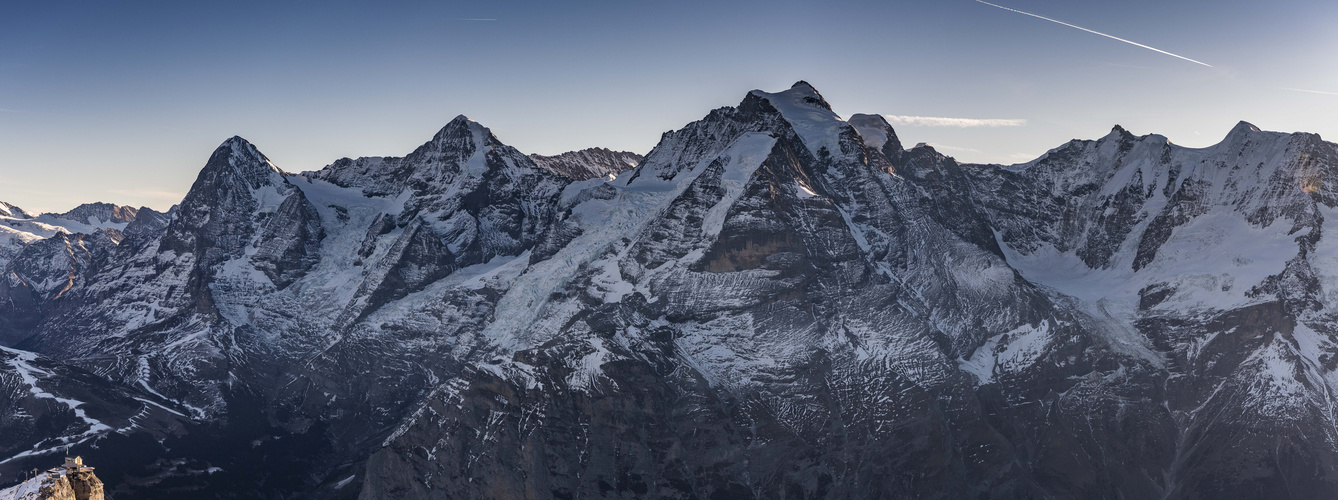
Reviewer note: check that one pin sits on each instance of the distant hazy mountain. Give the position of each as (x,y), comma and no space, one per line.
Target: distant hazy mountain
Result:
(775,302)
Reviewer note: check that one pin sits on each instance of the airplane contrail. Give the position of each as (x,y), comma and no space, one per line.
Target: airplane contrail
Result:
(1154,49)
(1309,91)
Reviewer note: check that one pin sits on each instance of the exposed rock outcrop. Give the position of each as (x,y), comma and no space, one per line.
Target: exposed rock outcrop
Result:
(72,481)
(592,163)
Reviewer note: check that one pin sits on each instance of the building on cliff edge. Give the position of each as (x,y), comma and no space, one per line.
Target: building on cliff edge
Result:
(71,481)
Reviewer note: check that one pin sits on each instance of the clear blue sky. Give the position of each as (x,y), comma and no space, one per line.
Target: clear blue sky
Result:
(123,101)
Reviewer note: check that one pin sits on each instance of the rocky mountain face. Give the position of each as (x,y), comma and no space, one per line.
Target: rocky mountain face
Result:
(44,256)
(775,302)
(7,210)
(589,163)
(18,228)
(94,213)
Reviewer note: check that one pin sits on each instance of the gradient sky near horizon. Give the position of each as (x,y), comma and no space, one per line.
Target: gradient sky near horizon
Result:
(123,101)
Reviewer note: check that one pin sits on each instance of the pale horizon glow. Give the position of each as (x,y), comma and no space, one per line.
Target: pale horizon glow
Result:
(1094,32)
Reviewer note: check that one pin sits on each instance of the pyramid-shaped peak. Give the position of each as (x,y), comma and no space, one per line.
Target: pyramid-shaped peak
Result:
(1119,133)
(460,120)
(461,127)
(1242,128)
(243,157)
(239,146)
(236,141)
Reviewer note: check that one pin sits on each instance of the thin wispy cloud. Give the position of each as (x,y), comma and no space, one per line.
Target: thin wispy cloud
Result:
(473,19)
(939,121)
(1310,91)
(1094,32)
(152,194)
(945,147)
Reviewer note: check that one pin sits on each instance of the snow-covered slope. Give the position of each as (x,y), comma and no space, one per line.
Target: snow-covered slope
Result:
(46,406)
(1209,262)
(18,228)
(43,256)
(778,279)
(776,301)
(28,490)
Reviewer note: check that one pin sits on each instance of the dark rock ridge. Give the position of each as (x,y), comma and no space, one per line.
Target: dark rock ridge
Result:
(93,213)
(592,163)
(775,302)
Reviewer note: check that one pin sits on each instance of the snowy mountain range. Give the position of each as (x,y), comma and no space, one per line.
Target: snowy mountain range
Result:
(774,302)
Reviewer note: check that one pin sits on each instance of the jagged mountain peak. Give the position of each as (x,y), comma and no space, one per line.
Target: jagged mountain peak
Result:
(459,125)
(237,181)
(1120,135)
(461,128)
(811,93)
(1242,128)
(461,150)
(809,115)
(148,222)
(800,93)
(459,139)
(588,163)
(751,297)
(239,158)
(240,147)
(9,210)
(875,130)
(91,213)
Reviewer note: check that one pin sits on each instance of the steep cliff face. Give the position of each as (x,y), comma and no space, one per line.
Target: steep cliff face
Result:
(780,316)
(776,302)
(58,484)
(85,485)
(42,273)
(810,310)
(43,257)
(1209,263)
(592,163)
